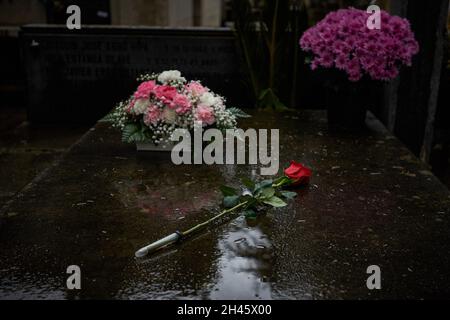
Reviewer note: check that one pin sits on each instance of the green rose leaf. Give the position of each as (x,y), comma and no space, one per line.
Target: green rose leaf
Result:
(228,191)
(263,184)
(288,194)
(266,183)
(275,202)
(230,201)
(251,201)
(248,183)
(268,193)
(250,214)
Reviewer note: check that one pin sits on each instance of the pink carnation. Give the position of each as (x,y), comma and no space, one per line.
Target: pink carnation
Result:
(152,116)
(166,94)
(205,114)
(343,40)
(182,103)
(196,89)
(144,90)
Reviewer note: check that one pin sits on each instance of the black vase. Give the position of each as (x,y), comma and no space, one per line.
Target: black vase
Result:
(347,101)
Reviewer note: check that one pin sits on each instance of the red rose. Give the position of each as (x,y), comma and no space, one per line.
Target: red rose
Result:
(298,173)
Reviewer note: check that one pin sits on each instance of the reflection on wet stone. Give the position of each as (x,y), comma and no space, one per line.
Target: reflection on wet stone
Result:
(244,264)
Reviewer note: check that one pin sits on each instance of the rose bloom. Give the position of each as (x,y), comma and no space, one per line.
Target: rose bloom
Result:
(196,89)
(298,173)
(205,114)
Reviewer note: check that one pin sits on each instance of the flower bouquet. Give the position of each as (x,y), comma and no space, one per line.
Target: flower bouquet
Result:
(165,102)
(251,201)
(358,55)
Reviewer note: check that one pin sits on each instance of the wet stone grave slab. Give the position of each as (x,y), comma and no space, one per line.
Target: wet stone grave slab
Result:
(370,203)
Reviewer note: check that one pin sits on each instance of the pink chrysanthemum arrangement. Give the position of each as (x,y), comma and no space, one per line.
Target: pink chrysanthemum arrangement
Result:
(165,102)
(342,40)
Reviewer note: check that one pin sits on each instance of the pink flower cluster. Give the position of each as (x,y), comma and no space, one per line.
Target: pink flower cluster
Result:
(165,102)
(205,114)
(343,40)
(157,102)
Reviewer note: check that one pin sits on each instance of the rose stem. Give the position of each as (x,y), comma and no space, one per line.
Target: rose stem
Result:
(204,224)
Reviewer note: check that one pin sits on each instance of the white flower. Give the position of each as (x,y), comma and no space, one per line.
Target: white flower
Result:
(208,99)
(171,75)
(169,115)
(141,106)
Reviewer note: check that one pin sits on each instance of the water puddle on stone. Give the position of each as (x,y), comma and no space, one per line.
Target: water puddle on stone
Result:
(244,264)
(231,261)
